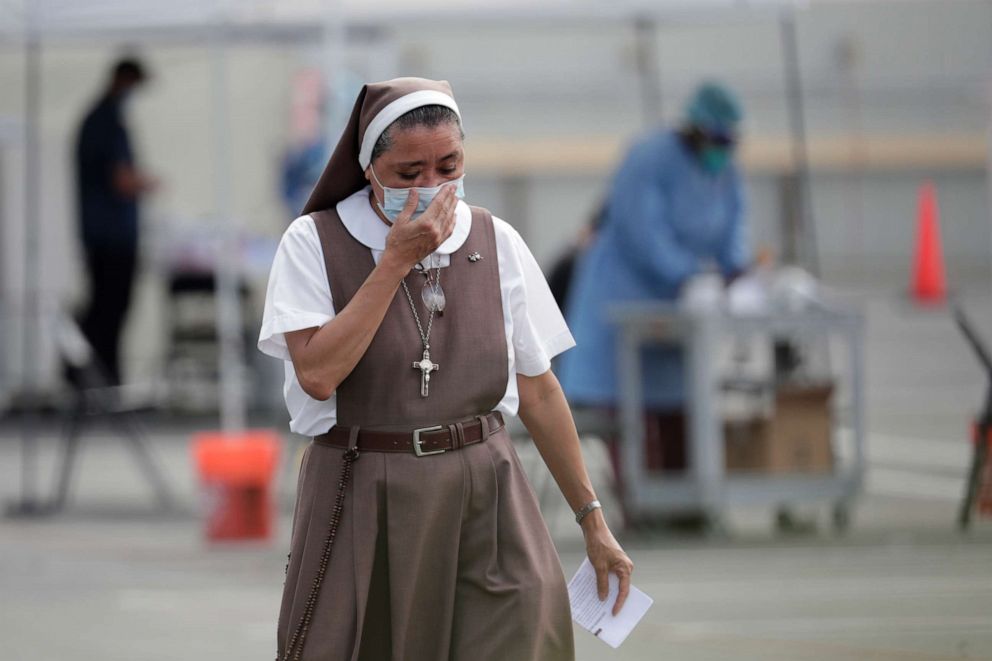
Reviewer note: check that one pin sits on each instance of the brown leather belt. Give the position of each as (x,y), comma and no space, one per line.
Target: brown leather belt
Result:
(424,441)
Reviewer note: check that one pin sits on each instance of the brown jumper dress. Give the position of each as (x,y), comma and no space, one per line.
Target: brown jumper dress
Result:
(442,557)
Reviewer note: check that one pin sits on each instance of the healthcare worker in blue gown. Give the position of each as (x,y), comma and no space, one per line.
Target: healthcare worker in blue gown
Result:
(675,209)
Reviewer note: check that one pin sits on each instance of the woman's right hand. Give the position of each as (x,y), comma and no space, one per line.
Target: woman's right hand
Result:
(409,241)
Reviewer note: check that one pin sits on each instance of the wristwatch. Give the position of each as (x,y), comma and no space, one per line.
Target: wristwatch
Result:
(590,506)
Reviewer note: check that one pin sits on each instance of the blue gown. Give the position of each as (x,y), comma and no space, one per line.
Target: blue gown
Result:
(665,219)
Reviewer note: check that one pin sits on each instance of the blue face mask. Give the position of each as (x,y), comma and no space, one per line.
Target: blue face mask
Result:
(714,159)
(394,199)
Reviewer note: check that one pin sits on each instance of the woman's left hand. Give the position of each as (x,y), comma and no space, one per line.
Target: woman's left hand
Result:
(606,557)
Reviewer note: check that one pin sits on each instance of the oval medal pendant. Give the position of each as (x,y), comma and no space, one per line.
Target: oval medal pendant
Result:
(433,296)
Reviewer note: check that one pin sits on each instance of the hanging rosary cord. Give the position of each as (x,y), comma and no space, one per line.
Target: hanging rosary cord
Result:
(304,626)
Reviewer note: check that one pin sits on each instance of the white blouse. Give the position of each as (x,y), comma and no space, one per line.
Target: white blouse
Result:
(298,296)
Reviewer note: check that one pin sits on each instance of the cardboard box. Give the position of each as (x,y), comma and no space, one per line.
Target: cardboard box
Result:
(796,438)
(745,443)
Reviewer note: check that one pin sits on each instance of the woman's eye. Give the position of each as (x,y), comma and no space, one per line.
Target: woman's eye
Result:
(450,170)
(408,177)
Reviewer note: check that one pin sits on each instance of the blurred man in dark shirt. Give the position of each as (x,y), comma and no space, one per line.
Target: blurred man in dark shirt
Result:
(109,185)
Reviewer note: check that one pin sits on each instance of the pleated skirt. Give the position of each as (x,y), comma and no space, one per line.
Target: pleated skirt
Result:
(444,557)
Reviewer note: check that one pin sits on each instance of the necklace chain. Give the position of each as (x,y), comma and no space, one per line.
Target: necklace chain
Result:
(425,337)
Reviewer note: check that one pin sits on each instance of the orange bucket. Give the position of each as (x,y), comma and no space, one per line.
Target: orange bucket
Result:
(236,471)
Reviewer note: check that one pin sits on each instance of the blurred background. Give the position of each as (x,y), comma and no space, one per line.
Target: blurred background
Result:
(832,504)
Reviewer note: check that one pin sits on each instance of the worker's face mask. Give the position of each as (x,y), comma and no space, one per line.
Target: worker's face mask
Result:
(714,148)
(394,199)
(714,159)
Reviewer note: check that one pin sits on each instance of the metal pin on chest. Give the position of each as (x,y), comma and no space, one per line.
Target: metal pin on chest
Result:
(474,257)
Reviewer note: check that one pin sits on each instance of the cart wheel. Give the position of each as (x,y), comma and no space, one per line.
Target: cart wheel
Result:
(841,517)
(716,529)
(785,519)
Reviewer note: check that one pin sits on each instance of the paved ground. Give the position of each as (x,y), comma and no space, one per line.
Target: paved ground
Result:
(112,579)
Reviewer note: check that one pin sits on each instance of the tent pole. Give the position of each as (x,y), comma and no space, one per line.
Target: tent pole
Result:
(30,307)
(988,164)
(332,57)
(805,233)
(227,287)
(646,42)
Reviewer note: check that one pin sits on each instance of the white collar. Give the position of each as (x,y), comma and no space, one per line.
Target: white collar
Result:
(363,223)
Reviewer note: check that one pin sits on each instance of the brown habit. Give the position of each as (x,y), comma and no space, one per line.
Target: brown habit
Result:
(443,557)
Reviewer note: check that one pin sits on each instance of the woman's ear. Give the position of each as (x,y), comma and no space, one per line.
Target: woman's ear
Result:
(368,174)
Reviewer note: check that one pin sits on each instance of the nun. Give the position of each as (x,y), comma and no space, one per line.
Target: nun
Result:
(411,325)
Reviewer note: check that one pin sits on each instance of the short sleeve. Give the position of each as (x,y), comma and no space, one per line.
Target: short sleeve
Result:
(298,295)
(119,146)
(539,329)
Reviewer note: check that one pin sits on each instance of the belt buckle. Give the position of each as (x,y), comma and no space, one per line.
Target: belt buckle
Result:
(416,441)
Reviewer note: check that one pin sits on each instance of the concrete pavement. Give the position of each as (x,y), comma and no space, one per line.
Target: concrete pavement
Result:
(111,578)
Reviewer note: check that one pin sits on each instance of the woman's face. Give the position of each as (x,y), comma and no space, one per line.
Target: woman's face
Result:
(419,156)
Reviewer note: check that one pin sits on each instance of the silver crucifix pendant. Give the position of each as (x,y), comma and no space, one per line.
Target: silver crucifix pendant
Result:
(426,367)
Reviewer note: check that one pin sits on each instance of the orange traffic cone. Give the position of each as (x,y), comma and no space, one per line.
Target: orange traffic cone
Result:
(929,284)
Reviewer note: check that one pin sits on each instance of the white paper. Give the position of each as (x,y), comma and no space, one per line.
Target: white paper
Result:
(597,616)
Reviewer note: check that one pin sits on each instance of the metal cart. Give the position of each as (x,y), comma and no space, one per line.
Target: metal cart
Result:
(706,487)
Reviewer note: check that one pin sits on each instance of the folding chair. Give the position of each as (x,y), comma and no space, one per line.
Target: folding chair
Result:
(982,425)
(95,400)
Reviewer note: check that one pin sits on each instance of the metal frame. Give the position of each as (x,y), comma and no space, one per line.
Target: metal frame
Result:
(706,487)
(982,424)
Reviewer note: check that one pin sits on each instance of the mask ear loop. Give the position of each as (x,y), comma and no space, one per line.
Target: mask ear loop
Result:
(374,176)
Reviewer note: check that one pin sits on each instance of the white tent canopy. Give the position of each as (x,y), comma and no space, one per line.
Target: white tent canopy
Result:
(142,18)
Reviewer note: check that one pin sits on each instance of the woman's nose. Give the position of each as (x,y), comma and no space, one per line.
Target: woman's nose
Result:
(431,180)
